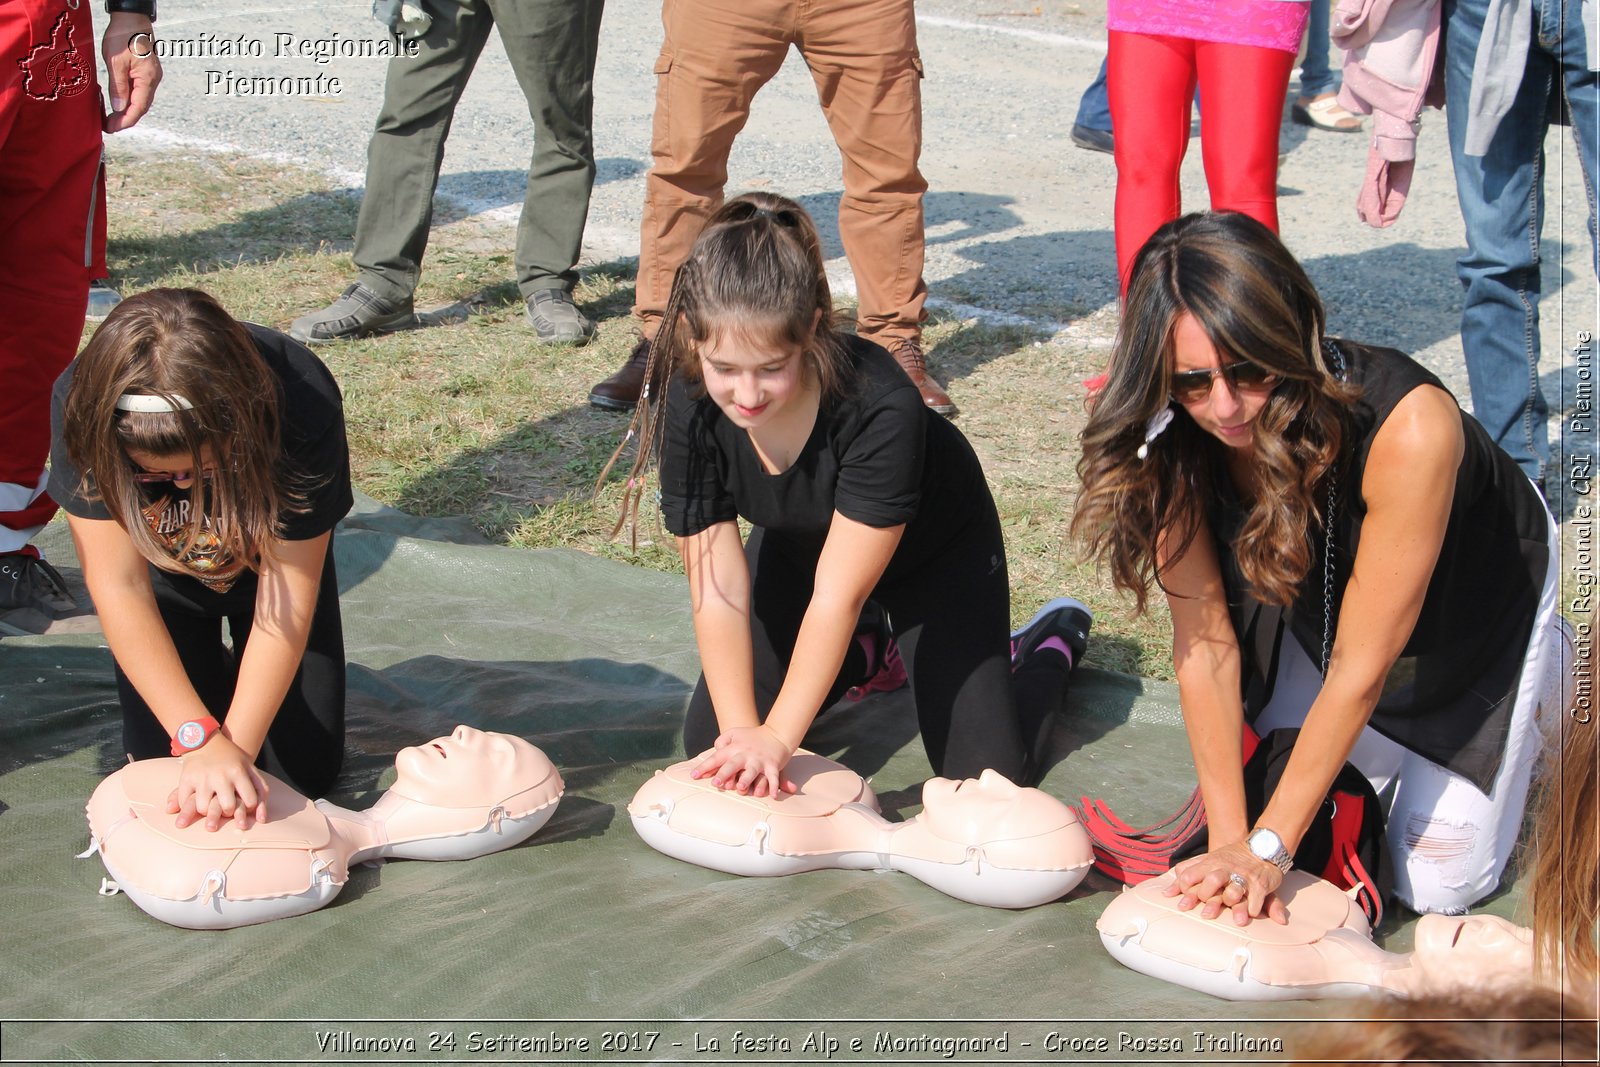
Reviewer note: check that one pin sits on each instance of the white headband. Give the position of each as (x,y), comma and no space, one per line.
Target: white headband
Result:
(150,402)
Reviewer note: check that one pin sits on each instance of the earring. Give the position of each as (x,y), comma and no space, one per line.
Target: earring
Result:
(1153,429)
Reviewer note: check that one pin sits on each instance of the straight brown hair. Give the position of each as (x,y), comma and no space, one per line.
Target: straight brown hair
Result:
(175,343)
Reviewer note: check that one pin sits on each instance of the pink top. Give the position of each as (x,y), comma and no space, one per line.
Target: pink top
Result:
(1263,23)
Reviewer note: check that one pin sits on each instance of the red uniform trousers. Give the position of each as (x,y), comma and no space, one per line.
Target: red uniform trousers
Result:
(52,234)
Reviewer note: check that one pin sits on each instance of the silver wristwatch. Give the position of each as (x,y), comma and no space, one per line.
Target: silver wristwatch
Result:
(1267,845)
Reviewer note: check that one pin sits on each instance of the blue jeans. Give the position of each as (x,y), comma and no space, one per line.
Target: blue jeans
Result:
(1316,74)
(1502,205)
(1094,106)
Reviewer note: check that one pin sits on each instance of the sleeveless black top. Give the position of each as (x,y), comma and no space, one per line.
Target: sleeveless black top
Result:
(1450,695)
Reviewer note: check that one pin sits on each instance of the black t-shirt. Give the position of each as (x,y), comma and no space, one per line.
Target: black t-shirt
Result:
(875,455)
(1450,695)
(315,452)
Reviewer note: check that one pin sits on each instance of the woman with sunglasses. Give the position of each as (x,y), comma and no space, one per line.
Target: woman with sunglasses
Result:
(854,491)
(1230,440)
(202,464)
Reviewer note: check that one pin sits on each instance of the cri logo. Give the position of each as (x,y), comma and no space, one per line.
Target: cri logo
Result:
(55,69)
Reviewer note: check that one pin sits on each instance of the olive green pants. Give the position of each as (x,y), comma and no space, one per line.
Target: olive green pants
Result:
(551,45)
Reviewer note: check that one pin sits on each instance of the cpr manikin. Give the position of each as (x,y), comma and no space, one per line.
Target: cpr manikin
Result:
(1325,950)
(982,840)
(454,798)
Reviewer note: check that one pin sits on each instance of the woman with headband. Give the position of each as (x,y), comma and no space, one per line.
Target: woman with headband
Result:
(202,464)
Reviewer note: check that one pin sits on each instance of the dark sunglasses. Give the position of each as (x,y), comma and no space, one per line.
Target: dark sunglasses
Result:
(144,477)
(1191,386)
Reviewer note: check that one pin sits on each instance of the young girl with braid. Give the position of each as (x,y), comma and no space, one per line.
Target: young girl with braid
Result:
(202,464)
(854,492)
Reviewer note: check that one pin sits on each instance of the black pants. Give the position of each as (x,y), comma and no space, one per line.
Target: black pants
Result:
(950,618)
(305,744)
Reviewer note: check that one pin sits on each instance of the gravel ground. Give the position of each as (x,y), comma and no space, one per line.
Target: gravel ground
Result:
(1019,219)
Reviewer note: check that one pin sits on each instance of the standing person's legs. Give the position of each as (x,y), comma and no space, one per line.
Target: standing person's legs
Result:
(864,61)
(1094,106)
(552,46)
(1561,34)
(52,239)
(716,55)
(1502,204)
(407,147)
(781,583)
(1243,88)
(1316,73)
(1151,82)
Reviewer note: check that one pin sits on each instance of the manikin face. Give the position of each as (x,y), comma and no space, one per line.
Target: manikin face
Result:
(986,809)
(1470,950)
(469,768)
(1227,412)
(751,375)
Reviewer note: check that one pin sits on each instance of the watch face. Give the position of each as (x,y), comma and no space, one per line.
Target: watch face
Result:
(191,735)
(1266,844)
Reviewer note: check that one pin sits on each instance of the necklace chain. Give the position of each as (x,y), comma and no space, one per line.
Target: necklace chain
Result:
(1336,357)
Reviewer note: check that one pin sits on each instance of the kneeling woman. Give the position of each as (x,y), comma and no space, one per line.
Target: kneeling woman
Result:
(854,490)
(1231,440)
(202,465)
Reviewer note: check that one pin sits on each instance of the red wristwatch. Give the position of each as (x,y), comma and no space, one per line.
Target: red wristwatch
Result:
(194,733)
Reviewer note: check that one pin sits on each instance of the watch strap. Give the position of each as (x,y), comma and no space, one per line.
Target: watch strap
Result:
(1278,855)
(132,7)
(194,734)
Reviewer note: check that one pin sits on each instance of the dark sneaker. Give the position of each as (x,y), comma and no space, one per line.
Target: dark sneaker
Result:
(889,673)
(359,312)
(1094,140)
(102,298)
(26,581)
(556,320)
(1063,617)
(909,355)
(620,392)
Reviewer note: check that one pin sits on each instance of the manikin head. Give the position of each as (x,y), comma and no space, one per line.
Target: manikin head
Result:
(469,769)
(1453,953)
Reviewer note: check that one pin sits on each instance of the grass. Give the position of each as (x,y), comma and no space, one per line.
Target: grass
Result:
(472,418)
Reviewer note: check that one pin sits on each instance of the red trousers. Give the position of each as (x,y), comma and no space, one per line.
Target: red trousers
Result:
(1151,82)
(863,59)
(52,234)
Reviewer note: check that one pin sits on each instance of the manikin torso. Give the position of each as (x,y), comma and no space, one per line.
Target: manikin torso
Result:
(982,840)
(457,797)
(1325,949)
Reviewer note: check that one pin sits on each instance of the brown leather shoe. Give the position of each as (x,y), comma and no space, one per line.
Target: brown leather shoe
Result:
(908,354)
(620,392)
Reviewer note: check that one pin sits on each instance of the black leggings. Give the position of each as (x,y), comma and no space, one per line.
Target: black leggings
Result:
(950,618)
(305,744)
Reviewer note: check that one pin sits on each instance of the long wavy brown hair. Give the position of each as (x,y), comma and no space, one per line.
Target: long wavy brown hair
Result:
(181,343)
(1566,885)
(1256,304)
(758,269)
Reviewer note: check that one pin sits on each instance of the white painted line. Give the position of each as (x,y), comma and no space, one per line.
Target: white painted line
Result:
(1060,40)
(621,243)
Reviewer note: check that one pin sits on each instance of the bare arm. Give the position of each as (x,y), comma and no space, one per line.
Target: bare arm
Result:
(119,584)
(719,600)
(751,759)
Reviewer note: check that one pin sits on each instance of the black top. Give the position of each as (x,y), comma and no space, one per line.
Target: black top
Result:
(315,454)
(875,455)
(1450,695)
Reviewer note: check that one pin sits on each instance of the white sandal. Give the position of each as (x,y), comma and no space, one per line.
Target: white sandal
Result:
(1325,113)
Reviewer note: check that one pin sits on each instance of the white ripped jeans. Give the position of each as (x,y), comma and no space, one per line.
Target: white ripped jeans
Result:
(1448,841)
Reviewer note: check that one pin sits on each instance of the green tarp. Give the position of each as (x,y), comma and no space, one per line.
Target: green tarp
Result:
(583,932)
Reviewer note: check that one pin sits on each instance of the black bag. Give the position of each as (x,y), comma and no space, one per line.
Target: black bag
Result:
(1344,843)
